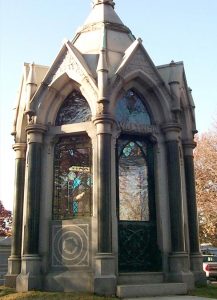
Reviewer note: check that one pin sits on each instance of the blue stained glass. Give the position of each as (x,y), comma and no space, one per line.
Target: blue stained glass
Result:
(128,148)
(131,109)
(76,182)
(75,207)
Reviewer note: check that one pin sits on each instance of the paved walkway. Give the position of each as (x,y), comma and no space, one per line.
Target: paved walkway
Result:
(170,298)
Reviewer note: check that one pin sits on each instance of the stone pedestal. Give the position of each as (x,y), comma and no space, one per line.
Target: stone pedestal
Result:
(14,267)
(30,276)
(180,269)
(196,263)
(105,278)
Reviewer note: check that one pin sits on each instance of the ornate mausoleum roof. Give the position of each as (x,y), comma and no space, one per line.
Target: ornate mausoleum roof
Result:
(102,53)
(103,29)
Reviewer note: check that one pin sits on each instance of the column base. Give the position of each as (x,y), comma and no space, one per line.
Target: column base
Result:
(30,276)
(196,261)
(14,268)
(180,269)
(105,278)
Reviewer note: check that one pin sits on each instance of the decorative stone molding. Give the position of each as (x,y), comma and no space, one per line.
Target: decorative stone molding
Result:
(66,63)
(103,124)
(172,131)
(108,2)
(35,132)
(20,150)
(139,62)
(188,147)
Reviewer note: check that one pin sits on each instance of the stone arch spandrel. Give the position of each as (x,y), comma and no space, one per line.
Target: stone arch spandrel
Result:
(52,98)
(156,99)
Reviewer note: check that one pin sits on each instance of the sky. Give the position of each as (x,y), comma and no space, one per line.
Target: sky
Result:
(33,31)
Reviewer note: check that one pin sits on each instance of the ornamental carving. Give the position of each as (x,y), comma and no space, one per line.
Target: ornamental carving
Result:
(67,63)
(139,62)
(70,245)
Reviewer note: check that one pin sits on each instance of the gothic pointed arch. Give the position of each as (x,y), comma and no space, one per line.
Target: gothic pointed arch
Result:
(131,109)
(155,96)
(74,109)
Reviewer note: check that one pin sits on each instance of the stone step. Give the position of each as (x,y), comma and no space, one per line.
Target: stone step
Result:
(140,278)
(151,289)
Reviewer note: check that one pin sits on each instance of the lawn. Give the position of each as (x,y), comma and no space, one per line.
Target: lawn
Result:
(10,294)
(209,292)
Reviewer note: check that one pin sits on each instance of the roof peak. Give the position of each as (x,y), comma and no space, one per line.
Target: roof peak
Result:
(108,2)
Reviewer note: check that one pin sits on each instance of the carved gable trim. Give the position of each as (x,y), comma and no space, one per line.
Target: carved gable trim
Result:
(136,59)
(68,62)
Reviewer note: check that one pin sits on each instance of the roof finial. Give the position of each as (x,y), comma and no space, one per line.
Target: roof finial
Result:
(109,2)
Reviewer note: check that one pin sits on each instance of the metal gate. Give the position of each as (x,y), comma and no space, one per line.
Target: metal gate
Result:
(137,231)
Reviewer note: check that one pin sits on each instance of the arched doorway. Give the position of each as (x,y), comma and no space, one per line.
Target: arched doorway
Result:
(136,210)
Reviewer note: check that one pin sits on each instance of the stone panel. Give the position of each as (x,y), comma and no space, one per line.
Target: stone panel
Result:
(70,245)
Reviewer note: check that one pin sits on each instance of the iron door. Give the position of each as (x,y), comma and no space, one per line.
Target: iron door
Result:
(137,231)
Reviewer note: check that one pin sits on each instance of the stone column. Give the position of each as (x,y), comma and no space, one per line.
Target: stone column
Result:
(105,279)
(14,261)
(196,259)
(30,278)
(178,260)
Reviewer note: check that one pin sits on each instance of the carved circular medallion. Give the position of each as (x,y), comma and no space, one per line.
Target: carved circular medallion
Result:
(70,245)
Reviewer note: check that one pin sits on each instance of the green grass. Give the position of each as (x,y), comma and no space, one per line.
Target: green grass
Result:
(207,291)
(10,294)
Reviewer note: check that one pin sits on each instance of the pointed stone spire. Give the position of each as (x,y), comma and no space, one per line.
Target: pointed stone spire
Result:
(109,2)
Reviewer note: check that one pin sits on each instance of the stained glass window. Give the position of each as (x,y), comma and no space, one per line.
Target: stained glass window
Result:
(131,109)
(133,181)
(72,177)
(74,109)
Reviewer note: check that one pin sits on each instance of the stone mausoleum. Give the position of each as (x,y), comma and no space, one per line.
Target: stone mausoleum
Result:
(104,195)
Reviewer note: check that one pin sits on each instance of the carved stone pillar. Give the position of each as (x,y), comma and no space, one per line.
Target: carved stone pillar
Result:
(196,259)
(14,261)
(105,279)
(29,278)
(178,260)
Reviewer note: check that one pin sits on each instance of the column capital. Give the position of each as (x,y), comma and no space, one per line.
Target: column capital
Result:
(35,132)
(103,124)
(188,147)
(20,149)
(171,131)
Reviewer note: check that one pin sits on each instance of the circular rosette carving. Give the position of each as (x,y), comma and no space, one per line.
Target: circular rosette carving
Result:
(71,245)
